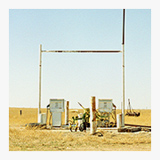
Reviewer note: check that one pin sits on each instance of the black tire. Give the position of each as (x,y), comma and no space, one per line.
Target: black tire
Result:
(81,127)
(84,126)
(88,125)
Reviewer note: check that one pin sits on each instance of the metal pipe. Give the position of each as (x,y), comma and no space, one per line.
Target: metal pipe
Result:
(83,51)
(40,65)
(123,32)
(136,125)
(123,68)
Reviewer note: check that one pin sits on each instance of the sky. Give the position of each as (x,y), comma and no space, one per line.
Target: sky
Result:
(77,77)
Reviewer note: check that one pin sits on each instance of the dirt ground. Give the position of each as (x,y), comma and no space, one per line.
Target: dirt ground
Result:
(23,139)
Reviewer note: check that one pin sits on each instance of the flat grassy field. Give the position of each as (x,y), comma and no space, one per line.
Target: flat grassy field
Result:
(23,139)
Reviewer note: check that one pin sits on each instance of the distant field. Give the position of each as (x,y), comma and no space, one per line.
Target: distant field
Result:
(22,139)
(29,115)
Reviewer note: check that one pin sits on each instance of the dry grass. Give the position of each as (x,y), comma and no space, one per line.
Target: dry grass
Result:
(46,140)
(22,139)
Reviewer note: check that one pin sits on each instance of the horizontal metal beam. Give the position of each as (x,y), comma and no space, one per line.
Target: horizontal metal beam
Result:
(82,51)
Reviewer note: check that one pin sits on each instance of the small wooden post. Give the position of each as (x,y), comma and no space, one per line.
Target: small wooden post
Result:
(20,112)
(109,119)
(93,126)
(67,113)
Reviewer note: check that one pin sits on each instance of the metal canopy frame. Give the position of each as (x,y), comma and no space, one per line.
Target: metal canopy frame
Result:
(88,51)
(81,51)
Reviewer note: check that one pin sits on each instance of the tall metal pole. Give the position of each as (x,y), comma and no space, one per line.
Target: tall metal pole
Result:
(40,65)
(123,66)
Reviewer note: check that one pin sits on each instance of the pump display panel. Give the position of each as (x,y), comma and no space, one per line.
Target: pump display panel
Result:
(57,105)
(105,105)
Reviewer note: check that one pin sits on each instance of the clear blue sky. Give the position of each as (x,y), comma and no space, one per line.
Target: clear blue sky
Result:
(77,77)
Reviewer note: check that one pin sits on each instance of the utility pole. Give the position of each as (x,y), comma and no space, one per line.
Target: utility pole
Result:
(40,72)
(123,68)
